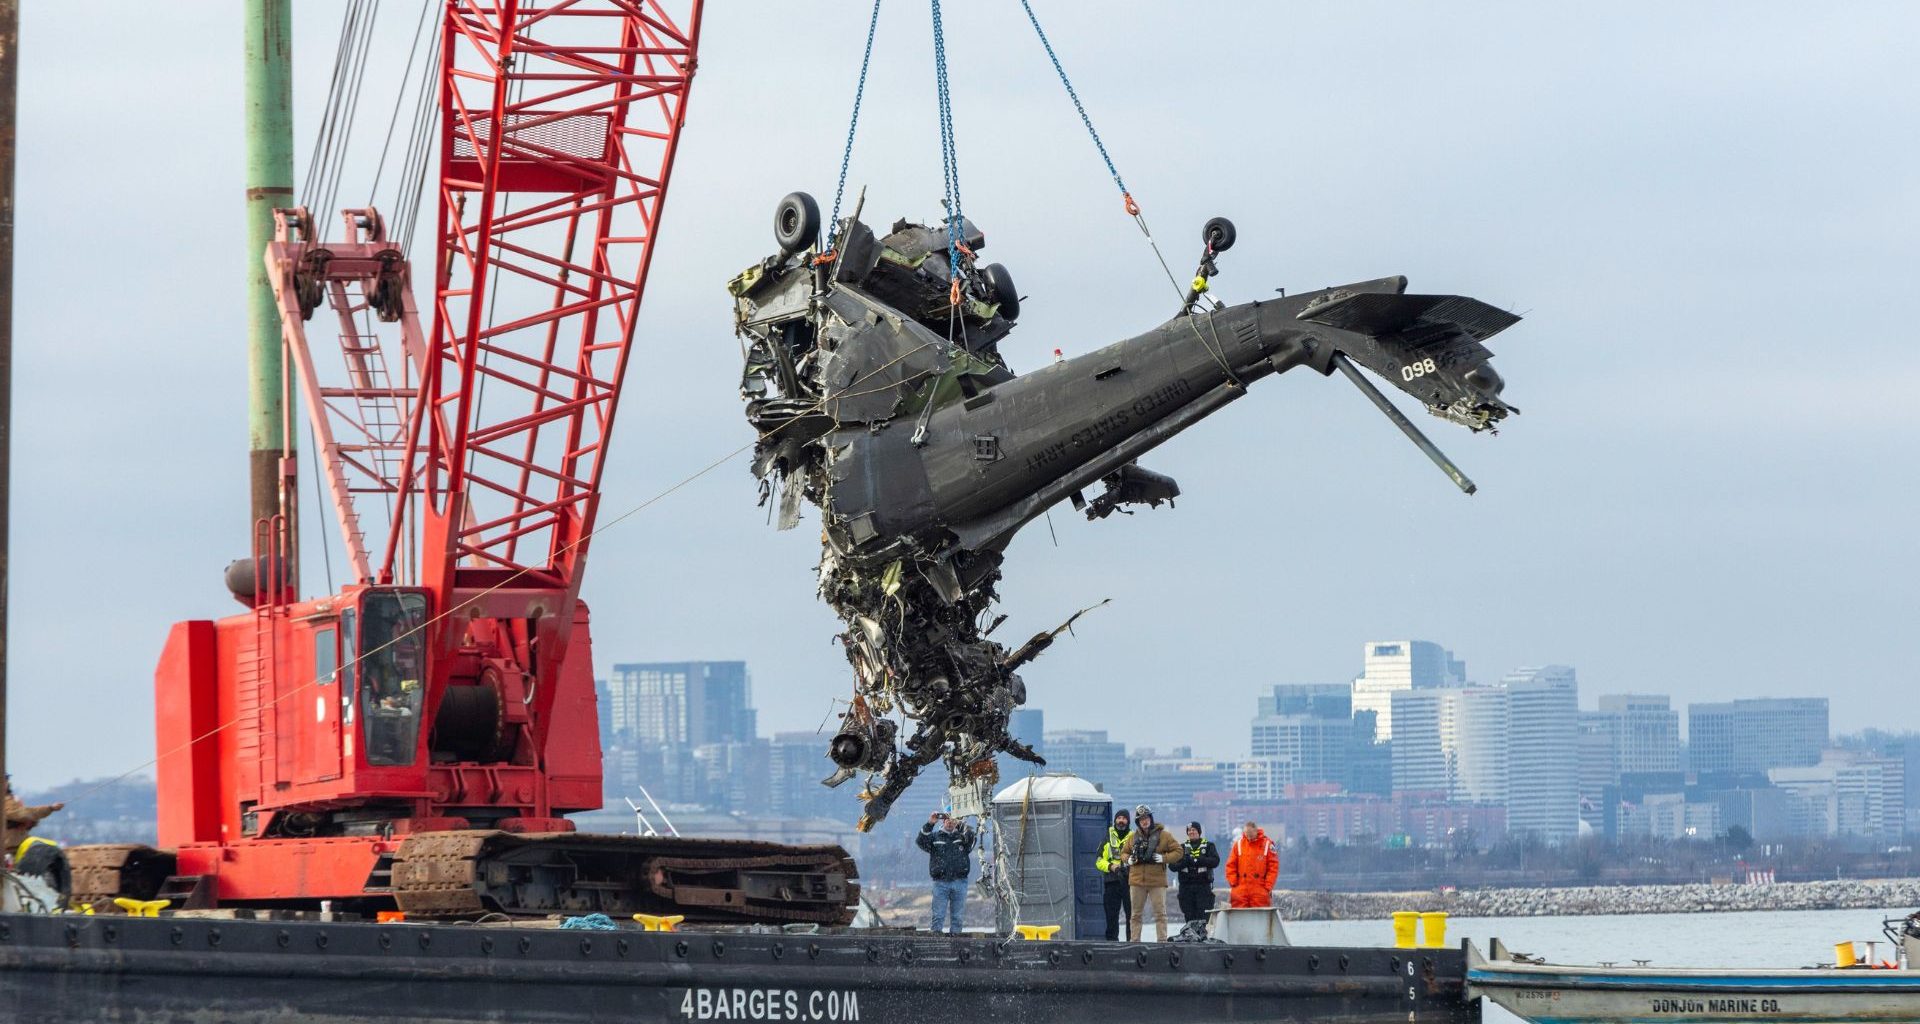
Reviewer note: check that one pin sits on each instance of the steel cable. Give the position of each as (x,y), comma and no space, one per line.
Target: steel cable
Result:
(399,99)
(1126,196)
(949,154)
(853,124)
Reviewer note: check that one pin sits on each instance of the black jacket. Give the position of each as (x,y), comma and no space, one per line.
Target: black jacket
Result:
(947,859)
(1196,868)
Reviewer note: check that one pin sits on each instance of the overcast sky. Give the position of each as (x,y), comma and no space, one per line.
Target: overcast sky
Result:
(1707,213)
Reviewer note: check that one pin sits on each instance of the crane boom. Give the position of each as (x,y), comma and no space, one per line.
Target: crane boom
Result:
(554,161)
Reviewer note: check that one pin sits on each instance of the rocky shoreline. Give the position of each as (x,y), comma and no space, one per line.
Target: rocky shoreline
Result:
(1849,894)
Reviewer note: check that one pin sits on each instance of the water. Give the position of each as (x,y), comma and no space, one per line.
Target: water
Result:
(1777,938)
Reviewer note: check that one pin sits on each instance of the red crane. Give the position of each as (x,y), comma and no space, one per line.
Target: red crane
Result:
(415,738)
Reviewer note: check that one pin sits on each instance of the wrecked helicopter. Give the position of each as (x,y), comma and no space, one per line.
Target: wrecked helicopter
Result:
(875,382)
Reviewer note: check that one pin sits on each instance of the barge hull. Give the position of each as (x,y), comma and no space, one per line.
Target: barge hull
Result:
(203,971)
(1550,994)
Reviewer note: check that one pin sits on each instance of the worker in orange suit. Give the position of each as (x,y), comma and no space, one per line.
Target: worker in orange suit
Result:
(1252,868)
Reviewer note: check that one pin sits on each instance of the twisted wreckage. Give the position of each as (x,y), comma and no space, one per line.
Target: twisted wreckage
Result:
(874,378)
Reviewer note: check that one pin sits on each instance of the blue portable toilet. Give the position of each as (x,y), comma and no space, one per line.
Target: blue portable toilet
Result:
(1048,832)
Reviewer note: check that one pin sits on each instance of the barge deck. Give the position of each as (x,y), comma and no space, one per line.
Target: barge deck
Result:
(177,970)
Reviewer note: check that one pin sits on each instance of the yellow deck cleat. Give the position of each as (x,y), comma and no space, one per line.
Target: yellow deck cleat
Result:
(140,908)
(1037,932)
(660,922)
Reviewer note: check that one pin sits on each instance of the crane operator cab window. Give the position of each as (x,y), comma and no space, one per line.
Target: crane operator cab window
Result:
(393,678)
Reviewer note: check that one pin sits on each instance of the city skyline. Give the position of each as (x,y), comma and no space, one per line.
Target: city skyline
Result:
(1489,757)
(1253,692)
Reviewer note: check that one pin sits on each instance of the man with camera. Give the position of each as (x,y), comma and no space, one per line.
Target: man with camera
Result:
(949,845)
(1148,851)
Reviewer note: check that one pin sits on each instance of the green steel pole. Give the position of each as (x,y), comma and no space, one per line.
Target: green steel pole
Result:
(269,93)
(9,94)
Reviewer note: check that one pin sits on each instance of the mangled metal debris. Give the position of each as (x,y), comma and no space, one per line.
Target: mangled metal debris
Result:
(874,378)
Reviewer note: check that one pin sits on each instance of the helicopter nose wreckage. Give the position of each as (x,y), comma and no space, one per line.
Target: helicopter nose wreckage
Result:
(875,381)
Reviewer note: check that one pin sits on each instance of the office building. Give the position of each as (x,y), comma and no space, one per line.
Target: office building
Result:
(732,776)
(1452,744)
(1846,794)
(1259,778)
(683,703)
(1756,735)
(1645,732)
(1309,728)
(1670,816)
(1370,767)
(1396,666)
(1170,783)
(1515,745)
(1314,700)
(796,762)
(1422,753)
(1543,769)
(1597,768)
(1089,754)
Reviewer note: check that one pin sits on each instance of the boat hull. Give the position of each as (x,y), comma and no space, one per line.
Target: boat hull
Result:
(199,971)
(1548,994)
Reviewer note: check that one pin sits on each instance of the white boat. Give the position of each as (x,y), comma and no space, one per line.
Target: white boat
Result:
(1545,993)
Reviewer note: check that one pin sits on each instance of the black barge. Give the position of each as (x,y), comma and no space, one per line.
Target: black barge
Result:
(181,970)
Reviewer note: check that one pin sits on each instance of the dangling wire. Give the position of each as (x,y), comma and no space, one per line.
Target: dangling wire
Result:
(949,157)
(853,124)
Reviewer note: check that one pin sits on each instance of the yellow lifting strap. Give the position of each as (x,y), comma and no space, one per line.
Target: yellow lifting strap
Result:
(660,922)
(1037,932)
(141,908)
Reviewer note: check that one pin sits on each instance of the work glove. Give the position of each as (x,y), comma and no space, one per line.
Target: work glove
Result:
(1157,858)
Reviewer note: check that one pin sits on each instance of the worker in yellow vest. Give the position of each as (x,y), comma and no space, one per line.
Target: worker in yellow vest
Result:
(1113,875)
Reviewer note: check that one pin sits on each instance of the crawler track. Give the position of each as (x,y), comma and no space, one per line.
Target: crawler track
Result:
(463,874)
(104,871)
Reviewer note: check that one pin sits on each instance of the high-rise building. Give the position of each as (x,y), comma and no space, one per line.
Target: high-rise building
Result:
(1543,723)
(1452,743)
(732,776)
(796,762)
(1599,769)
(1429,755)
(1515,745)
(1170,784)
(1258,778)
(1632,734)
(1483,747)
(1370,766)
(1310,729)
(1396,666)
(1846,794)
(1645,732)
(1422,761)
(685,703)
(1756,735)
(1317,700)
(1089,754)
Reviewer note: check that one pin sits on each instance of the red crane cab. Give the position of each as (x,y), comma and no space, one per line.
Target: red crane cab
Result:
(300,743)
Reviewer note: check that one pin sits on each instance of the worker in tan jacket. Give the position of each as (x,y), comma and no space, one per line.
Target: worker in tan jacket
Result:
(1148,851)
